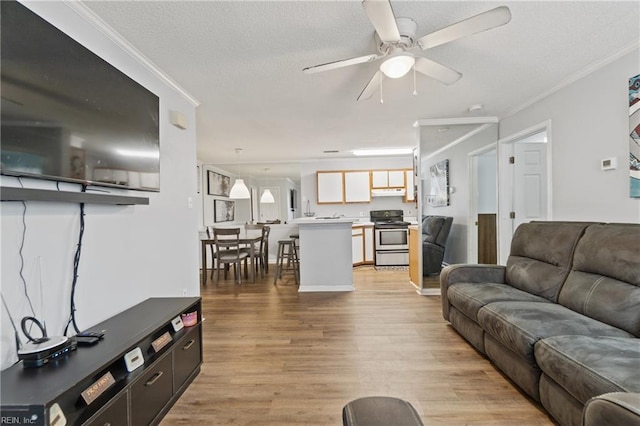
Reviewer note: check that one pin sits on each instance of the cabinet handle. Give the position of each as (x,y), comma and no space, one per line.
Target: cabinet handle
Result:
(188,345)
(154,378)
(107,424)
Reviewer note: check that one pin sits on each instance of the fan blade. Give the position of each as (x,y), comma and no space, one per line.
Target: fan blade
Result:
(438,71)
(340,64)
(371,86)
(381,16)
(482,22)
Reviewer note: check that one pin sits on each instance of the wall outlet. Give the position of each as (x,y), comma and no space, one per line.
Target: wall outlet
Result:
(184,291)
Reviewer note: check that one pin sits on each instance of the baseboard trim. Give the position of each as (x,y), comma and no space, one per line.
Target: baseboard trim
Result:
(429,292)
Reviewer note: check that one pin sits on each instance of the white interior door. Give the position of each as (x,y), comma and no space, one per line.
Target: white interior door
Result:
(270,211)
(525,177)
(529,182)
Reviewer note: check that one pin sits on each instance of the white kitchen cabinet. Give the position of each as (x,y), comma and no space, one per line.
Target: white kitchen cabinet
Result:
(396,178)
(369,245)
(357,245)
(410,195)
(387,179)
(357,187)
(330,187)
(380,178)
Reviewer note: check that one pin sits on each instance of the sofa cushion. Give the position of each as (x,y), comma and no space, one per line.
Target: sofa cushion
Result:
(587,366)
(519,325)
(605,281)
(468,298)
(541,256)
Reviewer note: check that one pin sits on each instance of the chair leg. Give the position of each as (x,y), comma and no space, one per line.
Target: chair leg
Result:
(278,264)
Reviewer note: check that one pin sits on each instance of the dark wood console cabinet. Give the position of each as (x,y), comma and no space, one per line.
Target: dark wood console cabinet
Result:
(140,397)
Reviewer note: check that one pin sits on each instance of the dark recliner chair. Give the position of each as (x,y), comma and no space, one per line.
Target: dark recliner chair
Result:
(435,231)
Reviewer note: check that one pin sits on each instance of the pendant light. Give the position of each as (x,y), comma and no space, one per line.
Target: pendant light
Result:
(267,196)
(239,190)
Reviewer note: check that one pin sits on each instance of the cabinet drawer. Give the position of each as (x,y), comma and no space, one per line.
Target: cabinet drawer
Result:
(187,356)
(151,392)
(116,413)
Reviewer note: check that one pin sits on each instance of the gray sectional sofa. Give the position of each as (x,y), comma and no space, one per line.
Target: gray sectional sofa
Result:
(561,319)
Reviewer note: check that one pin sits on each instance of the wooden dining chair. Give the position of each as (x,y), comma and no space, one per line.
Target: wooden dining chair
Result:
(261,260)
(228,251)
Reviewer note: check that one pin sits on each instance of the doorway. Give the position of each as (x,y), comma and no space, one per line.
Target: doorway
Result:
(525,167)
(483,205)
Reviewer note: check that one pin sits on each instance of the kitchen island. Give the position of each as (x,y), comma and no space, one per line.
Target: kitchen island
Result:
(325,254)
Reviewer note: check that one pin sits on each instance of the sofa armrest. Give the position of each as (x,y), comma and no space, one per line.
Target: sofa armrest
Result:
(468,273)
(616,408)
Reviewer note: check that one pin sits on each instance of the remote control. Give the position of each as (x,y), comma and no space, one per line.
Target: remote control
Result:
(94,334)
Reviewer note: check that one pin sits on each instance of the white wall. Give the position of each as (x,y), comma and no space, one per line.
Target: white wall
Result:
(487,168)
(459,179)
(308,186)
(129,253)
(589,122)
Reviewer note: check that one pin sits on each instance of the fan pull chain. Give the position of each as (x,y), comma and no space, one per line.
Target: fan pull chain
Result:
(415,90)
(381,100)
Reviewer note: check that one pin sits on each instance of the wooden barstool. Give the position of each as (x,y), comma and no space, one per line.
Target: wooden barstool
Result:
(286,260)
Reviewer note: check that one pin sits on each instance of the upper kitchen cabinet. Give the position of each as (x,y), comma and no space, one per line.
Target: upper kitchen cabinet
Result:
(410,195)
(330,187)
(339,187)
(387,179)
(357,187)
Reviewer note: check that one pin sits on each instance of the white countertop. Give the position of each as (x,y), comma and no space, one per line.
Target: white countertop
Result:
(320,221)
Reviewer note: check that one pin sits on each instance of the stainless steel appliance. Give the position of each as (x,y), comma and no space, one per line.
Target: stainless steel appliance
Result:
(391,237)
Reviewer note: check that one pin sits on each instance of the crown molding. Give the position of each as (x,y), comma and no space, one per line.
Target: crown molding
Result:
(575,77)
(99,24)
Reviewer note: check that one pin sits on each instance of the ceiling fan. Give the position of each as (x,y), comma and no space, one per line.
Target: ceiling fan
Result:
(395,39)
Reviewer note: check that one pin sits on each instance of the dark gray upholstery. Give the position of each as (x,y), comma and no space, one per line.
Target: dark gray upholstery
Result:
(587,366)
(380,411)
(435,232)
(541,256)
(562,319)
(612,409)
(605,281)
(519,325)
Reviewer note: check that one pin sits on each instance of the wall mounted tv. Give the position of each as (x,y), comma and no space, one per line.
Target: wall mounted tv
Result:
(68,115)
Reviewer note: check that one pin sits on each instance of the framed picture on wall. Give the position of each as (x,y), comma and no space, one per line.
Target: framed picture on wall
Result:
(224,211)
(218,184)
(439,184)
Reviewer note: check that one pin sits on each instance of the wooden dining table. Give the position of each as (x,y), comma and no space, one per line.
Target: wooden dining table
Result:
(248,237)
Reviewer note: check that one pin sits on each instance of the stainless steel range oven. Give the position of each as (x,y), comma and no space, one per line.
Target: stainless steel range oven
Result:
(391,237)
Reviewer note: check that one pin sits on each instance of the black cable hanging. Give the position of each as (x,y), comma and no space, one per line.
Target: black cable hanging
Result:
(76,265)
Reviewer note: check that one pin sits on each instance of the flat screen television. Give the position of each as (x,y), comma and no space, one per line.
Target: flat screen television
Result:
(68,115)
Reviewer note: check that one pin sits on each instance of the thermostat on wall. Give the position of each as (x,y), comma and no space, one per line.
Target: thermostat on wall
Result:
(609,163)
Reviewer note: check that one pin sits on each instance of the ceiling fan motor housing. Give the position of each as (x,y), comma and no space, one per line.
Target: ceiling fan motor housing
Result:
(407,28)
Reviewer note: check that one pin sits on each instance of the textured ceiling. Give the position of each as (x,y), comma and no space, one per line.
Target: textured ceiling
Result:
(243,61)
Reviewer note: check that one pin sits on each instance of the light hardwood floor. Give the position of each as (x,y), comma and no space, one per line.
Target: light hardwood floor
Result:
(273,356)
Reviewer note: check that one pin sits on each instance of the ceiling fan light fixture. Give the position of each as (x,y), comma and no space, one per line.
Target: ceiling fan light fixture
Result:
(398,65)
